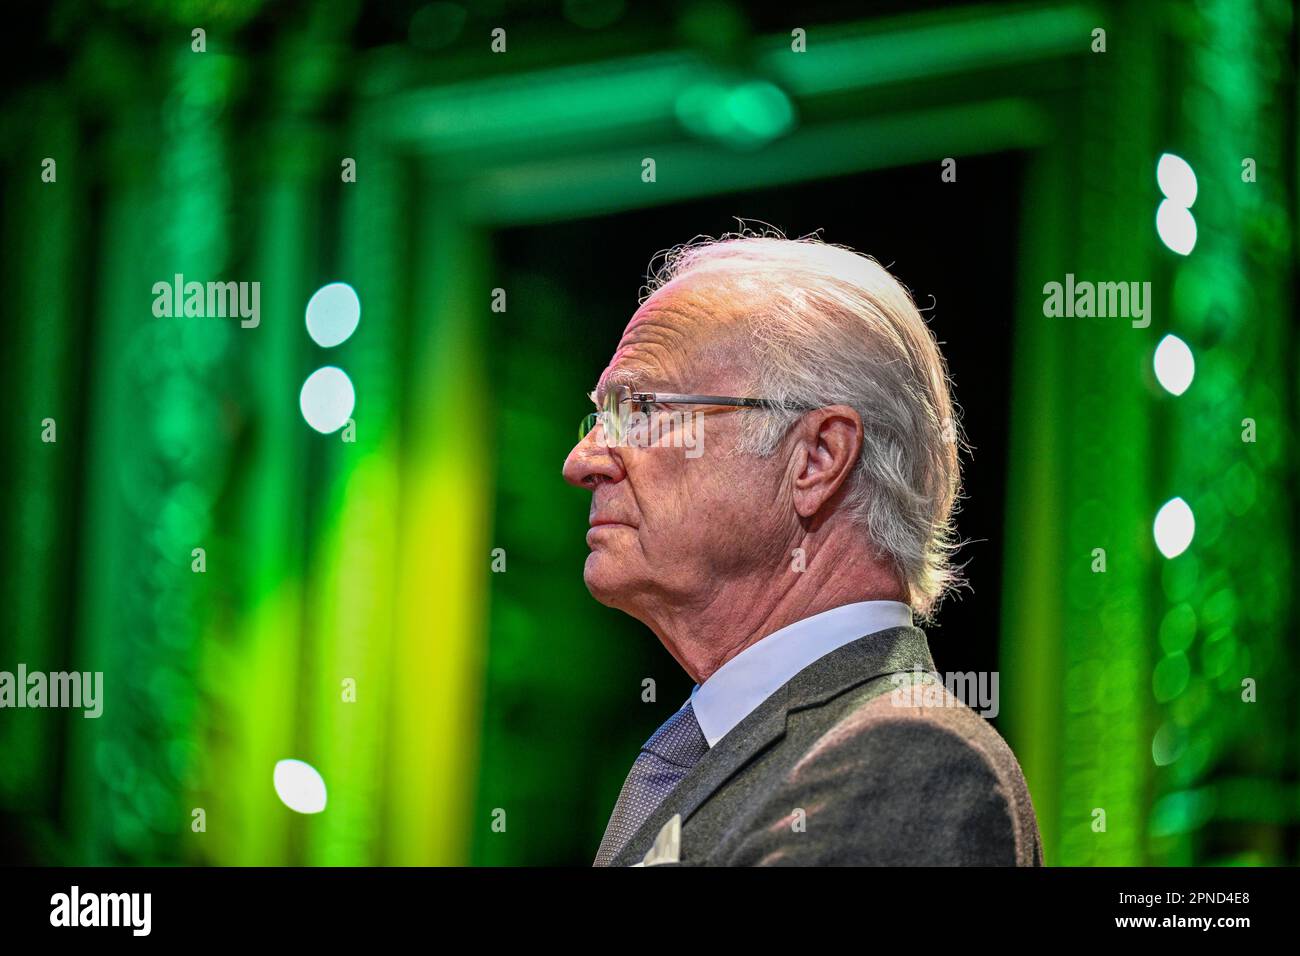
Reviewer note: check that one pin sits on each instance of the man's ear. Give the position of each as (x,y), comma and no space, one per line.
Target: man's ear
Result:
(828,443)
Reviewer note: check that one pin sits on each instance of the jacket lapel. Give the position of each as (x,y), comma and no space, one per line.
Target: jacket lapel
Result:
(884,652)
(741,745)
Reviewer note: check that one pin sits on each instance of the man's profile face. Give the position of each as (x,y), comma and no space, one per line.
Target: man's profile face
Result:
(666,526)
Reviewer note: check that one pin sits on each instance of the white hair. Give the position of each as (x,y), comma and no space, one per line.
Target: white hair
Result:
(830,326)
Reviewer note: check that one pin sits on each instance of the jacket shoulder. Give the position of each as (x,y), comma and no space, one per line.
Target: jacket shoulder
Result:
(944,763)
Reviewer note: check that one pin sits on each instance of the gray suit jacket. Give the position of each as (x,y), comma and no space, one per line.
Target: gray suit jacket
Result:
(880,781)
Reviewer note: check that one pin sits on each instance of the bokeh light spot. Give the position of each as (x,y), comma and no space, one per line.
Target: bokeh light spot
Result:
(332,314)
(327,399)
(1174,528)
(1174,364)
(299,786)
(1176,227)
(1176,179)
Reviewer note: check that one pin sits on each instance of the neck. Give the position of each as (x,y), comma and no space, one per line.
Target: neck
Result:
(711,630)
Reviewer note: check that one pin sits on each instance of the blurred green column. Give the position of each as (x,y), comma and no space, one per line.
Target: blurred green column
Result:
(1223,628)
(1076,640)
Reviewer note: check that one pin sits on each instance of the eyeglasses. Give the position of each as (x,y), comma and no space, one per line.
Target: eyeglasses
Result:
(616,411)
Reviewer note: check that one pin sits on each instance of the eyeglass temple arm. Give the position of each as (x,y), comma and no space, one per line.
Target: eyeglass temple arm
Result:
(671,399)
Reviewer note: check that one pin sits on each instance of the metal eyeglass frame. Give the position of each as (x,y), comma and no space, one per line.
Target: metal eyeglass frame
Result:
(620,395)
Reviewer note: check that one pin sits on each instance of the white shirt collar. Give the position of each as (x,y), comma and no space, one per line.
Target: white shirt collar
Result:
(732,692)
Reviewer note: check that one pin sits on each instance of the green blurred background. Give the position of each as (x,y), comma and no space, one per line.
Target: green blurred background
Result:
(486,696)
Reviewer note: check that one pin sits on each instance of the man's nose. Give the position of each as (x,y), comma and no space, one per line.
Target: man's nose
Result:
(591,461)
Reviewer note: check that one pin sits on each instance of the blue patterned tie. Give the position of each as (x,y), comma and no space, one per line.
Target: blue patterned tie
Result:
(664,760)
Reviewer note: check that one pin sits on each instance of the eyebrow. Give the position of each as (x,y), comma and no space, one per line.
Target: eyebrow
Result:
(621,376)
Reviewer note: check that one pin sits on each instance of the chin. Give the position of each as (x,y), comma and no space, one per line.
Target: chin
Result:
(605,579)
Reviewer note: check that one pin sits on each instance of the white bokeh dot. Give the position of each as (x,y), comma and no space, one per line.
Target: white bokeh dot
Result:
(1176,227)
(300,786)
(327,399)
(1174,528)
(1174,364)
(332,314)
(1176,179)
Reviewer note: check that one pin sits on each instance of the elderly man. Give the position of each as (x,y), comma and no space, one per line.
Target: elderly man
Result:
(773,466)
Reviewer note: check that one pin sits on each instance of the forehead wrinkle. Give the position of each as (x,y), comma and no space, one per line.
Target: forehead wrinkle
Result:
(689,326)
(660,326)
(647,333)
(704,326)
